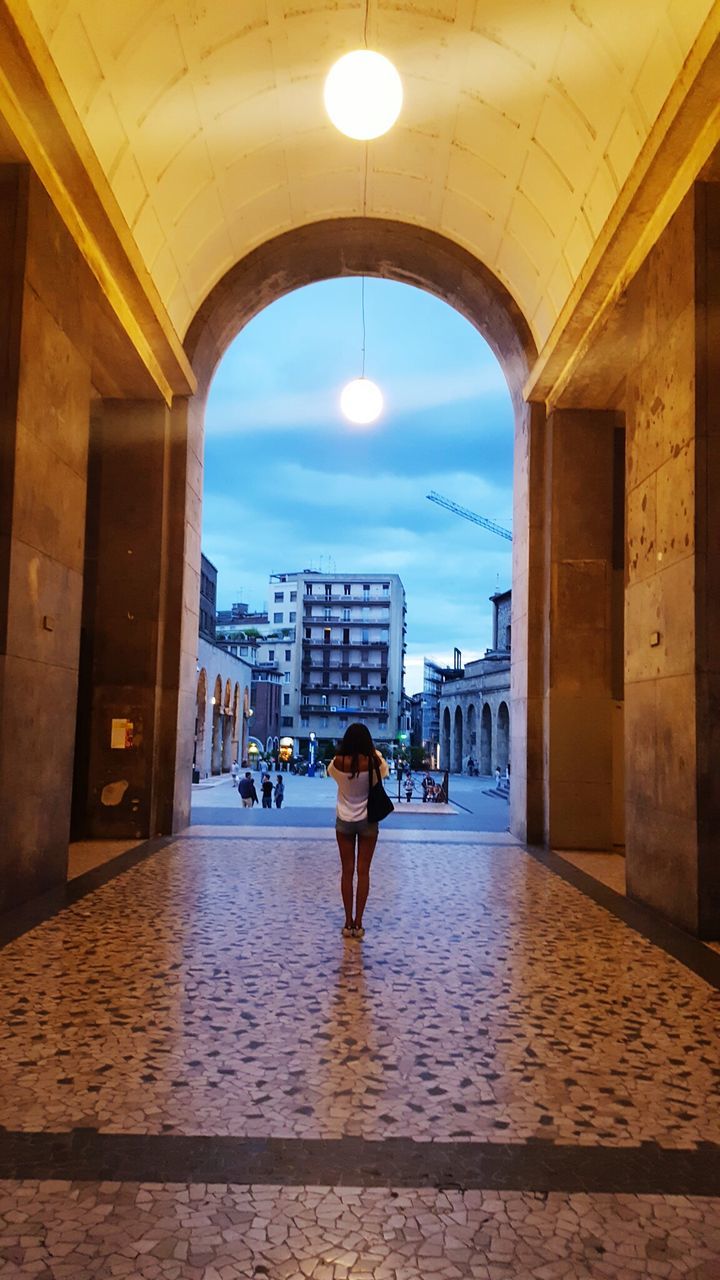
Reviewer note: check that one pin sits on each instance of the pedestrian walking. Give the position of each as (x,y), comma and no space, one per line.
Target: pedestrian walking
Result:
(266,787)
(279,792)
(356,767)
(248,794)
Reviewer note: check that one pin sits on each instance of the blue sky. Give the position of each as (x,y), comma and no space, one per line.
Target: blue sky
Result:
(289,484)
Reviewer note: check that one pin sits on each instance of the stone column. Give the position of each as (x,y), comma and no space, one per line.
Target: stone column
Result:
(132,621)
(579,500)
(527,797)
(673,576)
(45,326)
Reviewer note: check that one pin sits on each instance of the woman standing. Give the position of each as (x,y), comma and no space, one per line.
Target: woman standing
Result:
(351,771)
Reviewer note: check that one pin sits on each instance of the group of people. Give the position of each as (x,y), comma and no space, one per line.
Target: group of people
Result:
(268,789)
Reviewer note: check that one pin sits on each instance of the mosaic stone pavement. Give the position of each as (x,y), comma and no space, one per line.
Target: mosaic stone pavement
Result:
(206,991)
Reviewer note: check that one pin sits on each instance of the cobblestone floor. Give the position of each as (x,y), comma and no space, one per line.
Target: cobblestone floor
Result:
(207,991)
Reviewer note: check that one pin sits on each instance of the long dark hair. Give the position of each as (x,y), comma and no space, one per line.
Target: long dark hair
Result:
(357,741)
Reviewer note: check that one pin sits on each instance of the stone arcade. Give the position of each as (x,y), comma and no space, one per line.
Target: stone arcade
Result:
(514,1075)
(166,175)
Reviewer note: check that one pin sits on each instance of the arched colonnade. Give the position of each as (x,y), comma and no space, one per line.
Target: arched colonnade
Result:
(460,741)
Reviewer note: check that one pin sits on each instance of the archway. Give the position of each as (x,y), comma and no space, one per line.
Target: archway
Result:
(445,762)
(236,748)
(503,737)
(409,254)
(457,753)
(486,740)
(217,742)
(471,734)
(200,718)
(227,728)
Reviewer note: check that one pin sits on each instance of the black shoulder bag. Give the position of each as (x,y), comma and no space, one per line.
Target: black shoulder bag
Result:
(379,803)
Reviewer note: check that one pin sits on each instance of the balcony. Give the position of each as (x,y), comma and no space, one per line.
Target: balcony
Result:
(317,709)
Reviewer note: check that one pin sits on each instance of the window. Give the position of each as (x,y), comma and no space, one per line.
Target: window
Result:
(293,596)
(278,617)
(346,615)
(386,588)
(271,655)
(308,588)
(288,655)
(286,722)
(306,699)
(343,702)
(308,633)
(287,677)
(365,636)
(305,722)
(346,635)
(382,722)
(326,635)
(363,679)
(292,616)
(324,722)
(363,702)
(346,589)
(279,597)
(345,675)
(286,699)
(327,614)
(366,591)
(343,722)
(328,589)
(383,703)
(323,699)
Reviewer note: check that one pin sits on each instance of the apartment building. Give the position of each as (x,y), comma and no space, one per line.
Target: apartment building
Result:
(345,660)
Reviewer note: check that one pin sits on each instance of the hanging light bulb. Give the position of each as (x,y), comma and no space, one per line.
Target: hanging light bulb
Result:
(363,94)
(361,401)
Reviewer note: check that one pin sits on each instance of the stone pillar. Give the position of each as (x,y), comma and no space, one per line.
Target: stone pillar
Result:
(132,615)
(579,704)
(527,796)
(45,326)
(673,576)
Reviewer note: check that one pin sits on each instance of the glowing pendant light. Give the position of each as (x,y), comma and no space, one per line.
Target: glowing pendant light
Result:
(363,92)
(362,400)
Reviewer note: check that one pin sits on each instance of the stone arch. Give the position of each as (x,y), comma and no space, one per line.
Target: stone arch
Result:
(236,723)
(393,250)
(200,718)
(457,743)
(245,729)
(445,739)
(217,744)
(381,247)
(502,737)
(471,733)
(227,728)
(486,739)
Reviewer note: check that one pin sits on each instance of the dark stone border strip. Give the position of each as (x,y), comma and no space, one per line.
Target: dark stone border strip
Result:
(13,924)
(682,946)
(89,1156)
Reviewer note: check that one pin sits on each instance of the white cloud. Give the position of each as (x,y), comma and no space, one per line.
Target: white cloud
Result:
(230,416)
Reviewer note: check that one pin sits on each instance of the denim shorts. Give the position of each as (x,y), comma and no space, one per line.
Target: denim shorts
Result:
(361,828)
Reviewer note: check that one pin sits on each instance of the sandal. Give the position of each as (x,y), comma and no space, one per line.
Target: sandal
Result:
(348,931)
(359,932)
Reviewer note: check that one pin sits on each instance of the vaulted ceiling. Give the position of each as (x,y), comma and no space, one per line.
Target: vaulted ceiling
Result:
(522,121)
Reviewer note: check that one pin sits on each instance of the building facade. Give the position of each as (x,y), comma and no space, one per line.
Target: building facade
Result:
(340,653)
(222,710)
(474,707)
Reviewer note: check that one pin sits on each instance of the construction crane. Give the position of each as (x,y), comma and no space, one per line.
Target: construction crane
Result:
(469,515)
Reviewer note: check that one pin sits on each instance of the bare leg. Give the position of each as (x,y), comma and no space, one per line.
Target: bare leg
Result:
(346,845)
(366,849)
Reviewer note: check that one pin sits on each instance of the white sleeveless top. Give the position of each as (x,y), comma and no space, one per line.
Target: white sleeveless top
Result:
(353,792)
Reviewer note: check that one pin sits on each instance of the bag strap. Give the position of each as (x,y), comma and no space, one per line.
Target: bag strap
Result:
(372,761)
